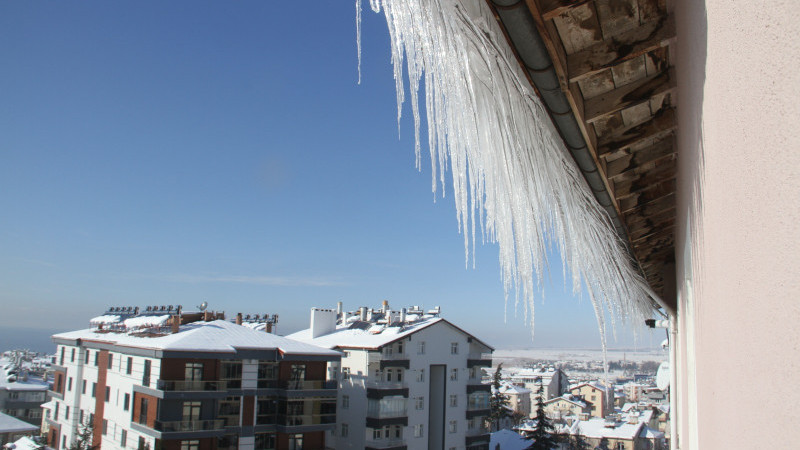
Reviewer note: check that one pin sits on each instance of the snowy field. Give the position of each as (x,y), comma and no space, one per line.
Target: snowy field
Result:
(583,355)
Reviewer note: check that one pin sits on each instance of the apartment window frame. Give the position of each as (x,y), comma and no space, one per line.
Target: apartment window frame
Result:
(419,430)
(105,427)
(345,401)
(72,355)
(126,402)
(421,376)
(110,361)
(454,348)
(190,444)
(97,358)
(419,403)
(345,430)
(146,373)
(94,390)
(69,384)
(123,438)
(83,387)
(86,356)
(421,348)
(345,373)
(453,426)
(454,374)
(129,368)
(108,394)
(453,400)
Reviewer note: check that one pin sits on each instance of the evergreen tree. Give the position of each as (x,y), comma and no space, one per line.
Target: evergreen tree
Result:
(84,438)
(498,400)
(542,435)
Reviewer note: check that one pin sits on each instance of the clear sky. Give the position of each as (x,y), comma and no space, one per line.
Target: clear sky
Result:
(174,152)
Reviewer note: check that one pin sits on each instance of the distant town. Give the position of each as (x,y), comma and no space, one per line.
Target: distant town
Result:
(376,377)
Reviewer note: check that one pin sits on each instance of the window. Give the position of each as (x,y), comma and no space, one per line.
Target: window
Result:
(190,445)
(296,442)
(421,348)
(61,359)
(399,375)
(146,374)
(191,411)
(123,439)
(143,412)
(345,401)
(141,443)
(105,427)
(387,350)
(108,393)
(419,403)
(94,390)
(55,412)
(453,374)
(72,356)
(83,387)
(80,417)
(389,373)
(69,384)
(421,375)
(418,430)
(471,424)
(63,441)
(126,403)
(454,348)
(193,372)
(377,433)
(345,373)
(265,441)
(66,413)
(86,357)
(345,430)
(620,446)
(110,361)
(454,400)
(453,426)
(129,368)
(97,358)
(297,376)
(400,348)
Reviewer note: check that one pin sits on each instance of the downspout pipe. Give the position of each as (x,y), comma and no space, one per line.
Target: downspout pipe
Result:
(518,22)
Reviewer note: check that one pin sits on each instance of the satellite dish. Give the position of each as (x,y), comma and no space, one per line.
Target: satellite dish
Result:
(203,306)
(662,376)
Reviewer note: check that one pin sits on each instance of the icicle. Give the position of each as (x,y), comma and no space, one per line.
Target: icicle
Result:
(358,37)
(509,166)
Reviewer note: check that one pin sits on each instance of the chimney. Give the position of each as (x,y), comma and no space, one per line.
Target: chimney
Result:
(388,316)
(403,315)
(362,312)
(268,327)
(323,321)
(338,308)
(238,318)
(176,323)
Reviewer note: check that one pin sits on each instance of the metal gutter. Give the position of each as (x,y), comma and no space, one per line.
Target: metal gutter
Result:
(521,29)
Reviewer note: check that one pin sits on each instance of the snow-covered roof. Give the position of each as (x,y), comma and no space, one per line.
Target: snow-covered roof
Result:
(650,433)
(10,424)
(593,384)
(372,338)
(508,440)
(508,388)
(104,319)
(24,443)
(146,321)
(601,428)
(568,398)
(215,336)
(32,383)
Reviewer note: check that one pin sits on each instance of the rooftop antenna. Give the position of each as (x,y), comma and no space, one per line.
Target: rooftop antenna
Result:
(203,306)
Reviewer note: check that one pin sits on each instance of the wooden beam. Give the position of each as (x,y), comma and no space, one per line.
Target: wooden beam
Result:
(630,162)
(553,8)
(666,228)
(630,44)
(653,207)
(624,137)
(632,94)
(647,181)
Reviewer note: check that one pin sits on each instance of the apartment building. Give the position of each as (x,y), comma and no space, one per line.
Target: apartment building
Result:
(167,379)
(597,395)
(408,379)
(554,381)
(21,391)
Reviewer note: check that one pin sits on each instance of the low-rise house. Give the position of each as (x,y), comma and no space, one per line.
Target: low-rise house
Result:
(12,429)
(567,405)
(616,433)
(22,390)
(519,399)
(598,395)
(554,381)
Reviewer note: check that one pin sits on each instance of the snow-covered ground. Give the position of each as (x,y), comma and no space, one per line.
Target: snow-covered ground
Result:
(501,355)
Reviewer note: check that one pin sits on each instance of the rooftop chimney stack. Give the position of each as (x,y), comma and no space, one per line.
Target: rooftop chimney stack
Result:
(362,312)
(176,323)
(238,318)
(403,315)
(323,321)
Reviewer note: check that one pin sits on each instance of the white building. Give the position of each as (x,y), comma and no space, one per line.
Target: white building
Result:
(407,379)
(554,381)
(173,380)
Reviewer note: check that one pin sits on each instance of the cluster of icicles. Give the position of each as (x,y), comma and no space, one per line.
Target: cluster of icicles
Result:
(509,166)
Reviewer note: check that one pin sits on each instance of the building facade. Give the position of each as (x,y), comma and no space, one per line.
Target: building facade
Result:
(182,381)
(407,379)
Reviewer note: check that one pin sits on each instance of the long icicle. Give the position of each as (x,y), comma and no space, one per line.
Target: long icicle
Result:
(507,161)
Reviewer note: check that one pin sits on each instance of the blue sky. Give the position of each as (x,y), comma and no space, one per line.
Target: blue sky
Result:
(175,152)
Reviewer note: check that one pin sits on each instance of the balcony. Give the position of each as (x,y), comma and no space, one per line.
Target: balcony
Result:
(191,385)
(387,411)
(479,387)
(189,425)
(386,444)
(479,360)
(380,389)
(298,420)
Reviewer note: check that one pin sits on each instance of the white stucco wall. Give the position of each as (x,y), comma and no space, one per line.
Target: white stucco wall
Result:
(738,205)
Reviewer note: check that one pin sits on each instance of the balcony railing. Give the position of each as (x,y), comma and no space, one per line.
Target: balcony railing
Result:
(192,385)
(295,420)
(307,385)
(386,384)
(385,443)
(190,425)
(479,359)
